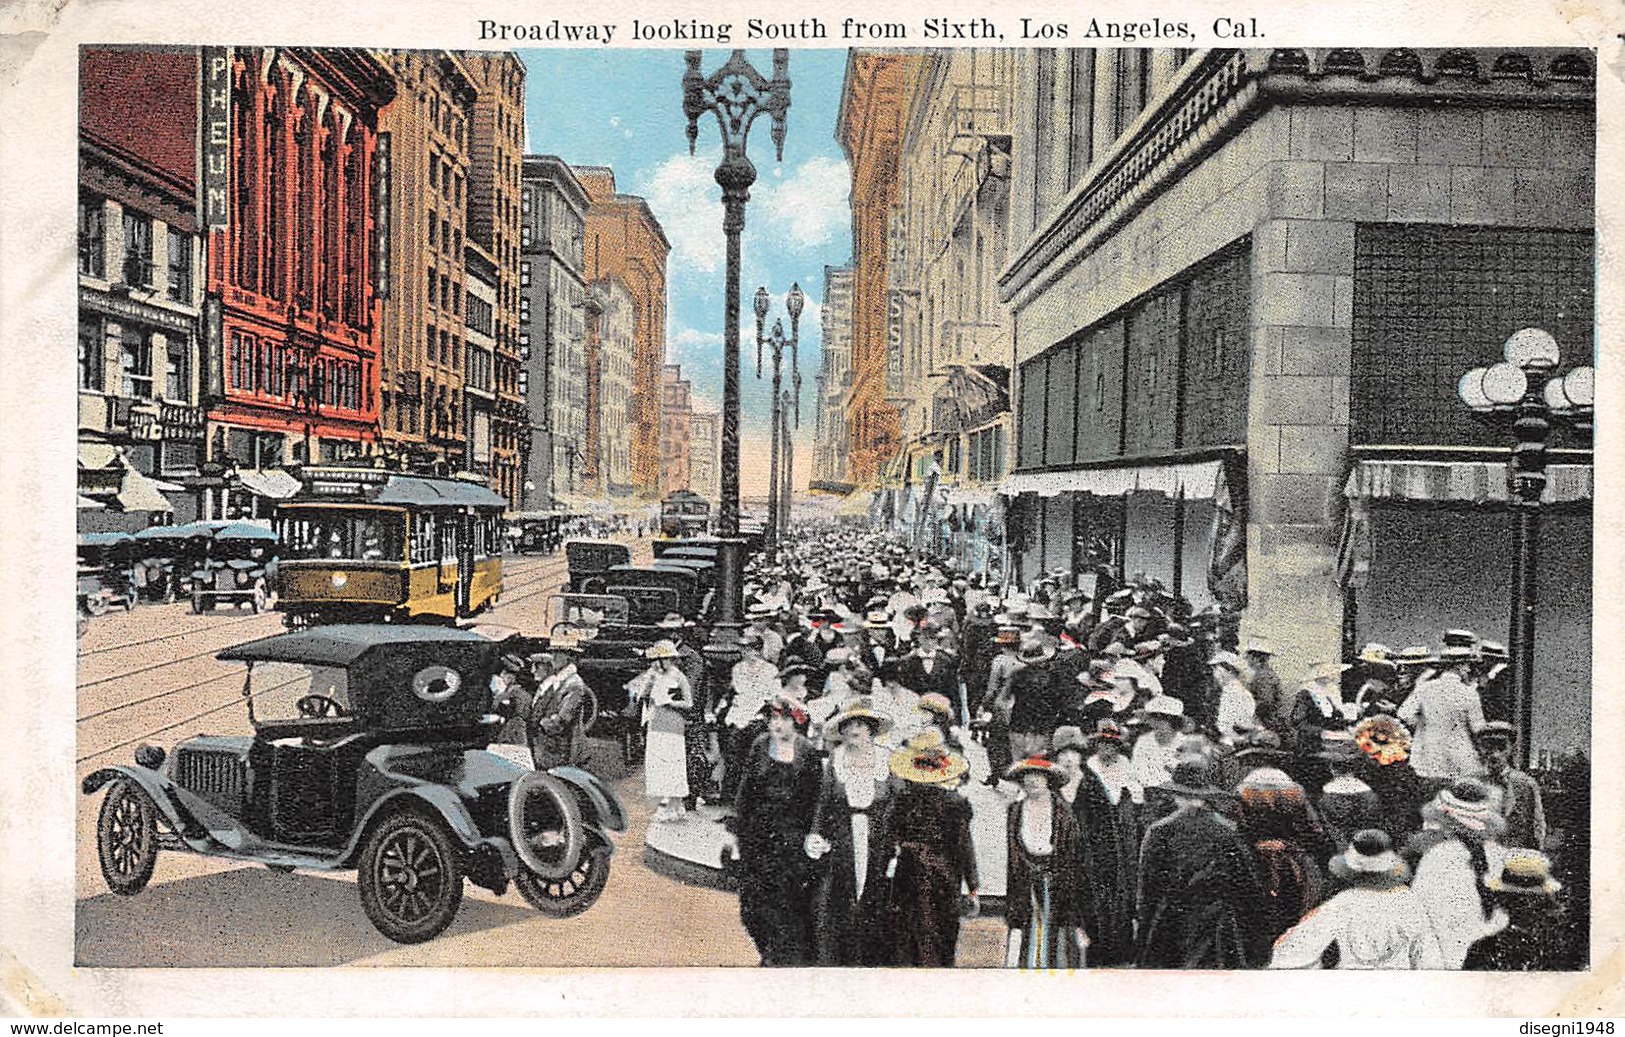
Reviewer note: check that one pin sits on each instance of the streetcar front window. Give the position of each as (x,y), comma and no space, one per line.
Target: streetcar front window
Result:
(344,535)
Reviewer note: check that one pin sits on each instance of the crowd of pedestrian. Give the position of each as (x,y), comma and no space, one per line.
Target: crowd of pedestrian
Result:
(1171,802)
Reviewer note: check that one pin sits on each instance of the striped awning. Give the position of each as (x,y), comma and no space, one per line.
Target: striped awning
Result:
(1469,482)
(1197,480)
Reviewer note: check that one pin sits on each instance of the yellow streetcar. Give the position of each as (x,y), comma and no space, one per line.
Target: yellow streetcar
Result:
(366,545)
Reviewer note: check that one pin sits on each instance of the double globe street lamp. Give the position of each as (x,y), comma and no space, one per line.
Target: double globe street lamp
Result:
(736,94)
(778,497)
(1526,394)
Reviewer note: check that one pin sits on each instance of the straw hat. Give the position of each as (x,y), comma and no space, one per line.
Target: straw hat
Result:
(1524,871)
(1067,737)
(1036,765)
(1229,661)
(936,702)
(1106,731)
(877,620)
(1383,738)
(926,760)
(1165,706)
(1496,731)
(1466,808)
(1416,655)
(662,650)
(1376,653)
(1370,862)
(857,711)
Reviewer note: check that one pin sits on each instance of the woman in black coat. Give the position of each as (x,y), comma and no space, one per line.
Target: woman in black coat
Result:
(932,858)
(1106,799)
(773,808)
(849,841)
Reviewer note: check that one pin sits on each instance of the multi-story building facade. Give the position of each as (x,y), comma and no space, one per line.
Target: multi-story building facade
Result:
(553,326)
(676,412)
(705,454)
(428,132)
(479,358)
(833,384)
(870,129)
(1244,285)
(292,305)
(949,377)
(625,240)
(140,286)
(616,349)
(496,153)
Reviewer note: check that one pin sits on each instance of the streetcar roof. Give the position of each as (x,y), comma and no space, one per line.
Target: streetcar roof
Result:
(368,487)
(341,644)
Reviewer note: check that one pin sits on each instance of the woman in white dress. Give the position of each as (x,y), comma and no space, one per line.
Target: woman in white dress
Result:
(1376,923)
(666,695)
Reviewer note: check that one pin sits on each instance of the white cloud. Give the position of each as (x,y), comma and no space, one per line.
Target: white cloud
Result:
(809,207)
(684,196)
(614,120)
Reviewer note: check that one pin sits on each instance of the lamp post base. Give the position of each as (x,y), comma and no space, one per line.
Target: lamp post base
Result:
(721,650)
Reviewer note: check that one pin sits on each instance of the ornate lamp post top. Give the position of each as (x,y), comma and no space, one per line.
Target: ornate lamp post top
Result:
(737,94)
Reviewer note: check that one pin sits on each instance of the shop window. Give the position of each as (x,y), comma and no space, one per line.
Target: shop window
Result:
(1433,302)
(178,375)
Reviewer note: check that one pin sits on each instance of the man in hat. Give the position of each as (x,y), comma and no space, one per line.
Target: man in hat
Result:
(1269,705)
(930,668)
(1155,750)
(753,683)
(1236,704)
(1317,707)
(513,687)
(1494,681)
(1443,712)
(1520,803)
(556,726)
(998,699)
(761,614)
(1198,883)
(1035,711)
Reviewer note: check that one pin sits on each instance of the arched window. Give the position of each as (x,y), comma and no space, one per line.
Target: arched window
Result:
(332,232)
(247,119)
(305,190)
(272,148)
(355,227)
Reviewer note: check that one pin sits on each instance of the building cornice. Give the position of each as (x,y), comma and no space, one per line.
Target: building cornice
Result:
(1222,91)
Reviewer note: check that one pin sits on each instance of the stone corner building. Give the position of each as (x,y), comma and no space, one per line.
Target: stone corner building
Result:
(1244,284)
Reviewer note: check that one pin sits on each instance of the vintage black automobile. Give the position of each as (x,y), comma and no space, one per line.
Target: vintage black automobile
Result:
(369,752)
(106,572)
(238,567)
(589,560)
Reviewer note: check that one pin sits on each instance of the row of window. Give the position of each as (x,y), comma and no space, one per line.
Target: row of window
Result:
(479,315)
(267,367)
(136,265)
(444,292)
(444,235)
(136,356)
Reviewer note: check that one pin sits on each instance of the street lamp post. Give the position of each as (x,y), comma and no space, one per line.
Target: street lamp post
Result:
(1525,393)
(777,342)
(790,402)
(736,94)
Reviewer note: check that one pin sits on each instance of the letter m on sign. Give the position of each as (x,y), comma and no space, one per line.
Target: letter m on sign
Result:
(214,187)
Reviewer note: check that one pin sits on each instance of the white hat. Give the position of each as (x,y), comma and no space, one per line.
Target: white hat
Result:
(1165,705)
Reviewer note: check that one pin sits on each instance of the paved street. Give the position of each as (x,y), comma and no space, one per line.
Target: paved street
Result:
(154,668)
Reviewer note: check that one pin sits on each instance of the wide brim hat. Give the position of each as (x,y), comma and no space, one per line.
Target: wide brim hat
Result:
(1067,737)
(662,650)
(1037,651)
(1496,730)
(1524,871)
(1229,661)
(1370,862)
(1493,650)
(936,702)
(515,661)
(1191,778)
(1415,655)
(1106,731)
(1165,706)
(1460,639)
(794,669)
(1036,765)
(877,621)
(1263,746)
(880,723)
(926,760)
(1457,654)
(1466,809)
(786,703)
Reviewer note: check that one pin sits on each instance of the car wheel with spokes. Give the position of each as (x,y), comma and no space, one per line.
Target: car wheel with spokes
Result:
(411,878)
(571,895)
(127,838)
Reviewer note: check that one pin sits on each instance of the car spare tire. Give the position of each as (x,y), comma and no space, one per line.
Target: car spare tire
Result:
(544,824)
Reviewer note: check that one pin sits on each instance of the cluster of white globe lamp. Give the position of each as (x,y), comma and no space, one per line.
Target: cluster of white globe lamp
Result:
(1531,361)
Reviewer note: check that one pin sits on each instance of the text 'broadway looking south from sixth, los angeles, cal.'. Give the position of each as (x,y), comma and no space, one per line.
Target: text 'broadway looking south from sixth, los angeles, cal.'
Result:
(679,31)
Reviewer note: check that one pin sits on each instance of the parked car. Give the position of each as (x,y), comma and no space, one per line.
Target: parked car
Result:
(168,555)
(106,573)
(238,567)
(369,752)
(588,560)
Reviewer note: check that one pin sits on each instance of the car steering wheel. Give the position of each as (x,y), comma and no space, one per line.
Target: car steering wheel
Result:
(313,706)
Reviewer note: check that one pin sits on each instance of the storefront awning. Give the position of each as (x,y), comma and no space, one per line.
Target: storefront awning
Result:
(960,496)
(1469,482)
(1198,480)
(140,493)
(86,504)
(98,455)
(269,482)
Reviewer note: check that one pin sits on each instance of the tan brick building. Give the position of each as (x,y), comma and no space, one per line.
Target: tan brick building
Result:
(496,152)
(610,375)
(870,130)
(1244,285)
(625,240)
(676,414)
(430,127)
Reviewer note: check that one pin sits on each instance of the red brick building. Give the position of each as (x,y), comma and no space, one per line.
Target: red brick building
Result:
(292,251)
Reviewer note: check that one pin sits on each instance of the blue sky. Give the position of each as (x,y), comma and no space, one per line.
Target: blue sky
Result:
(624,109)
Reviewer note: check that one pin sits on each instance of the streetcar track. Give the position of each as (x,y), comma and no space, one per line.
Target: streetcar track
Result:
(234,621)
(155,697)
(187,720)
